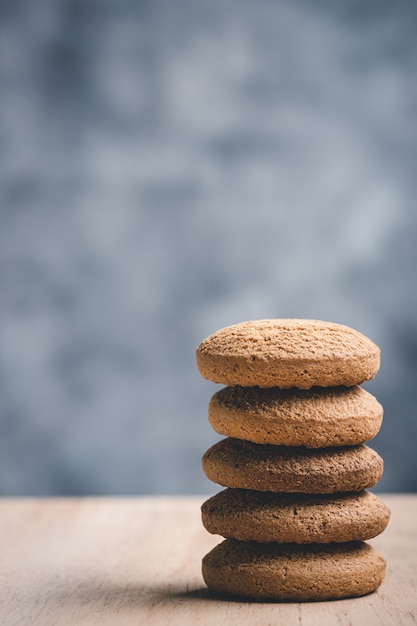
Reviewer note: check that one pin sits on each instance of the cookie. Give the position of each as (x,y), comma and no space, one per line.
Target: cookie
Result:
(314,418)
(273,571)
(288,353)
(294,518)
(263,467)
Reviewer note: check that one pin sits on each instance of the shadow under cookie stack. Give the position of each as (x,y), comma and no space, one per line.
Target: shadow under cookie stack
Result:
(296,513)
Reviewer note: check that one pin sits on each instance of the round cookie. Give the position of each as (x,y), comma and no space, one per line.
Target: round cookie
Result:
(291,572)
(294,518)
(288,353)
(263,467)
(315,418)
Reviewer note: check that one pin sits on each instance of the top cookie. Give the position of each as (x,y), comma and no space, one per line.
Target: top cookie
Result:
(288,353)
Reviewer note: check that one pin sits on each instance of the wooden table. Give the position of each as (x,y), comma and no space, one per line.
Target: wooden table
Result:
(137,561)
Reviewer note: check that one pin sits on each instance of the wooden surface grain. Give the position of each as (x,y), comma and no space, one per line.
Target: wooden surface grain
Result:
(134,561)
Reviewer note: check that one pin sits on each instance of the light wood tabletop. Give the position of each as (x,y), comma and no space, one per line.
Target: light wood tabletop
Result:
(138,561)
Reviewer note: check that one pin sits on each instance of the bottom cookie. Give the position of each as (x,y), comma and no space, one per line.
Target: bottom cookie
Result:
(292,572)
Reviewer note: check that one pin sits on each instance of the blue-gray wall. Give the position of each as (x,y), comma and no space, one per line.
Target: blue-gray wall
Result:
(168,168)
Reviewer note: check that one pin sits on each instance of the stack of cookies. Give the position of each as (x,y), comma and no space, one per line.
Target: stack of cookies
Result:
(295,512)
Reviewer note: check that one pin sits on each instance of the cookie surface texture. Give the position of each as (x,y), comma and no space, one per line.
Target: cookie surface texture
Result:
(263,467)
(288,353)
(314,418)
(290,572)
(295,518)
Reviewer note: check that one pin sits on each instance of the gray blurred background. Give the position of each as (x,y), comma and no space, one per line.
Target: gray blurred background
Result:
(172,167)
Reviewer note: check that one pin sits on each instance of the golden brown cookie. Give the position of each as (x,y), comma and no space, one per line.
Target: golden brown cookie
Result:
(263,467)
(295,518)
(288,353)
(315,418)
(274,571)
